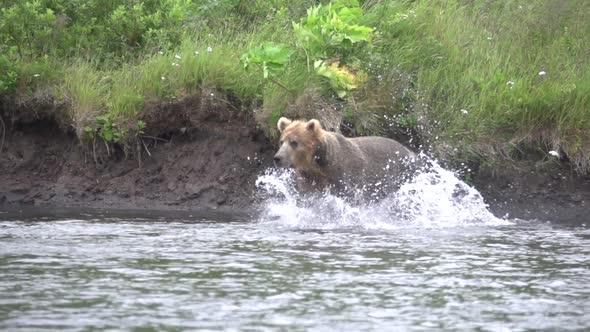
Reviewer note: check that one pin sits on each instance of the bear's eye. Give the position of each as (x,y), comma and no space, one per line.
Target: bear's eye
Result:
(293,144)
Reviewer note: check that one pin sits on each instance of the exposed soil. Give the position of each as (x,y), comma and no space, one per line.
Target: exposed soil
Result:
(554,193)
(211,159)
(211,165)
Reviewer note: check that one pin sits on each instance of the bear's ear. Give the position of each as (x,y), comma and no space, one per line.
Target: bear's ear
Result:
(283,123)
(313,125)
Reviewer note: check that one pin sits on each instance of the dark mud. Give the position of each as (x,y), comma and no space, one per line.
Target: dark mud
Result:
(208,166)
(522,191)
(211,161)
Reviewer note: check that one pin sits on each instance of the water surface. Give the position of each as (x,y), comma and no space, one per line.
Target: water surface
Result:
(92,271)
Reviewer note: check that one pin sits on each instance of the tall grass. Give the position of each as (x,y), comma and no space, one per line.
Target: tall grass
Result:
(497,77)
(497,80)
(120,92)
(85,90)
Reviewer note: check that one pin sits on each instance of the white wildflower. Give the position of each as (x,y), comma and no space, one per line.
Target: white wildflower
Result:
(177,56)
(209,49)
(36,75)
(542,73)
(554,153)
(196,52)
(163,78)
(175,64)
(464,111)
(160,52)
(510,83)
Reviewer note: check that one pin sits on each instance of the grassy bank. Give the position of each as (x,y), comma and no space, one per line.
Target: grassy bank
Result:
(477,81)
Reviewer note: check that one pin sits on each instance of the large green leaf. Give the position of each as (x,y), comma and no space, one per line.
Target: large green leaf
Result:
(358,33)
(271,57)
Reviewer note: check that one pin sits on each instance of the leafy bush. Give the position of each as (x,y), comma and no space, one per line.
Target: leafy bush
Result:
(341,77)
(465,73)
(271,58)
(326,37)
(27,28)
(9,73)
(331,31)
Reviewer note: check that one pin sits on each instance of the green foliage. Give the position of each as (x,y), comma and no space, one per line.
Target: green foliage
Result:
(490,75)
(244,14)
(108,103)
(27,28)
(331,31)
(326,37)
(140,25)
(408,120)
(270,57)
(464,71)
(85,88)
(94,29)
(341,78)
(9,73)
(107,129)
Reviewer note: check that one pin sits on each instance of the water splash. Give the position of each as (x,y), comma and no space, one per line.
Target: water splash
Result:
(435,197)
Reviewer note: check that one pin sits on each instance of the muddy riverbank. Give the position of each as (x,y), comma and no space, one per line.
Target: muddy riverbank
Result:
(214,166)
(209,166)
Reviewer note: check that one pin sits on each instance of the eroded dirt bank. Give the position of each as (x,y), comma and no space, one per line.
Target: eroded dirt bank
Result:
(552,194)
(215,165)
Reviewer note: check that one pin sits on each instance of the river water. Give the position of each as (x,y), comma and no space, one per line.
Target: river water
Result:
(442,263)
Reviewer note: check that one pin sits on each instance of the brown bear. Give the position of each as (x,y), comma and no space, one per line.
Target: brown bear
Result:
(327,160)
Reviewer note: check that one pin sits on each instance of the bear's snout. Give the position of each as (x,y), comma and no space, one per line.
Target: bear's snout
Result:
(277,161)
(281,159)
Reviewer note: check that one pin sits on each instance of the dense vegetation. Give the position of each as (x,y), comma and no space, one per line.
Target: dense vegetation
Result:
(475,80)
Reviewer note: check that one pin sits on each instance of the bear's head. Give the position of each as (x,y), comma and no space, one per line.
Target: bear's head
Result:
(301,144)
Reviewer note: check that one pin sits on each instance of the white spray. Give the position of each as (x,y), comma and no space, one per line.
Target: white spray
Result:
(434,197)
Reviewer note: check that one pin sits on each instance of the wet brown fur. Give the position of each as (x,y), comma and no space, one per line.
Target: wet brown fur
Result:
(324,158)
(308,141)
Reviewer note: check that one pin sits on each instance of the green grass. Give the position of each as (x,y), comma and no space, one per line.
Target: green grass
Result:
(461,73)
(85,90)
(478,82)
(121,92)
